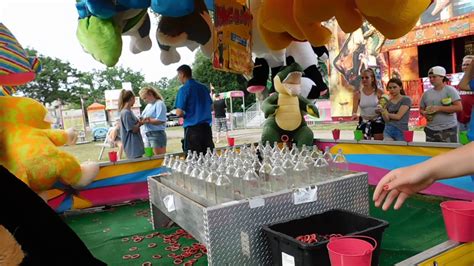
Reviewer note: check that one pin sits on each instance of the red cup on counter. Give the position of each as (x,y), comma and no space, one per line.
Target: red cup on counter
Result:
(336,133)
(113,156)
(408,135)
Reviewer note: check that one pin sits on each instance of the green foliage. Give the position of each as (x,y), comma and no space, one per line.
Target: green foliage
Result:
(168,88)
(221,81)
(59,80)
(52,82)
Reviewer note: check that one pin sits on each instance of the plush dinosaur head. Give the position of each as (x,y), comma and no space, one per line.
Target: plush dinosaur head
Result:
(288,80)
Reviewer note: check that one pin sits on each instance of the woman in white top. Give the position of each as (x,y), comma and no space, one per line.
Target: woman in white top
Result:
(370,121)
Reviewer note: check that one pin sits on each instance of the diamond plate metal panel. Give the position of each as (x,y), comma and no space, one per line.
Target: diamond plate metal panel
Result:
(232,232)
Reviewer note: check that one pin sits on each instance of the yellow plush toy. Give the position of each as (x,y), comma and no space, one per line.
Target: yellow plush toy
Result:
(282,21)
(276,24)
(393,18)
(310,13)
(28,147)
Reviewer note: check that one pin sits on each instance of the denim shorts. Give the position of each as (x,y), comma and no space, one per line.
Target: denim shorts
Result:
(393,133)
(156,139)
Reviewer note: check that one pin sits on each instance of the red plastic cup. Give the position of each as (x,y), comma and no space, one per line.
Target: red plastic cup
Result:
(231,141)
(113,156)
(336,133)
(408,135)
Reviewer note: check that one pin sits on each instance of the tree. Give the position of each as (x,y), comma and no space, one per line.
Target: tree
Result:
(168,88)
(221,81)
(52,82)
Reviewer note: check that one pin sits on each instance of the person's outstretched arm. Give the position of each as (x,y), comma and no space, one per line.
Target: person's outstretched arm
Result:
(401,183)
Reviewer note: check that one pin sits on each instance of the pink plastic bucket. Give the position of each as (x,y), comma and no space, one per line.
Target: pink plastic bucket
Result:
(459,220)
(351,251)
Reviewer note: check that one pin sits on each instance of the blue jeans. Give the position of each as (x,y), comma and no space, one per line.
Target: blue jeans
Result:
(392,133)
(156,139)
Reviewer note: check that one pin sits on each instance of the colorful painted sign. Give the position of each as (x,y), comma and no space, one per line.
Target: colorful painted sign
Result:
(233,37)
(434,32)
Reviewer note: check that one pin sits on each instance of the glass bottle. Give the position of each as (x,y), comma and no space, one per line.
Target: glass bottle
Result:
(237,182)
(211,187)
(224,190)
(278,177)
(288,166)
(200,183)
(251,184)
(340,163)
(301,174)
(320,169)
(187,175)
(265,178)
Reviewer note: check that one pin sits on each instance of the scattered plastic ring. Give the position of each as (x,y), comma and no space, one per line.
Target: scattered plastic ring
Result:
(125,239)
(152,245)
(177,261)
(132,249)
(135,256)
(127,257)
(156,256)
(146,263)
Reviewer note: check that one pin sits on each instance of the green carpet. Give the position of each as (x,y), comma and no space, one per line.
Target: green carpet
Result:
(413,229)
(109,234)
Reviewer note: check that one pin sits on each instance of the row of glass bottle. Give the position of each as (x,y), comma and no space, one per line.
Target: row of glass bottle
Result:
(253,171)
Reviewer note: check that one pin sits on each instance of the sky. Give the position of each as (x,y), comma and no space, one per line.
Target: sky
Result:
(49,26)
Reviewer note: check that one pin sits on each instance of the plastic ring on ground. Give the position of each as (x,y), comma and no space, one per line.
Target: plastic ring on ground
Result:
(135,256)
(285,138)
(156,256)
(171,255)
(168,248)
(185,248)
(198,255)
(127,257)
(146,263)
(177,261)
(152,245)
(125,239)
(149,236)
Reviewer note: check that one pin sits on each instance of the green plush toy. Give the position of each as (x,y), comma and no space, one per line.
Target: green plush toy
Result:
(101,38)
(284,110)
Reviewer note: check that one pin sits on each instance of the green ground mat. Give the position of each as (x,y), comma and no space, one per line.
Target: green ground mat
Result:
(413,229)
(110,235)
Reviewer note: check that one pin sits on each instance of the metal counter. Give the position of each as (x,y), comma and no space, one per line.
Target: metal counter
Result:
(232,231)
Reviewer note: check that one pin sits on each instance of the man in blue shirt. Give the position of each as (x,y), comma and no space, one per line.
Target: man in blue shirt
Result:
(194,104)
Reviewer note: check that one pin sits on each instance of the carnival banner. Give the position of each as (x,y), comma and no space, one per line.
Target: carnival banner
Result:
(233,37)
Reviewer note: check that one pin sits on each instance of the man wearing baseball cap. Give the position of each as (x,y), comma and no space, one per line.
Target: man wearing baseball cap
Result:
(439,105)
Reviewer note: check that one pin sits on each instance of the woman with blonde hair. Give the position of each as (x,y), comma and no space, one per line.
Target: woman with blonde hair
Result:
(367,98)
(154,119)
(130,126)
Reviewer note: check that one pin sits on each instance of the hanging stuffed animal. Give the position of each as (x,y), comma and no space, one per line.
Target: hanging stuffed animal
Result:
(103,23)
(284,110)
(184,23)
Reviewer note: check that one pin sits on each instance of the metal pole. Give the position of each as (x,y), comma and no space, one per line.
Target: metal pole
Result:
(83,118)
(231,114)
(243,111)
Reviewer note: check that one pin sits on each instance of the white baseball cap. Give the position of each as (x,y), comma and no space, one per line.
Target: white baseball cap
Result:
(437,70)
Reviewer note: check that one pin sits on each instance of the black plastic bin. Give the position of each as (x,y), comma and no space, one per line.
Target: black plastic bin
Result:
(282,235)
